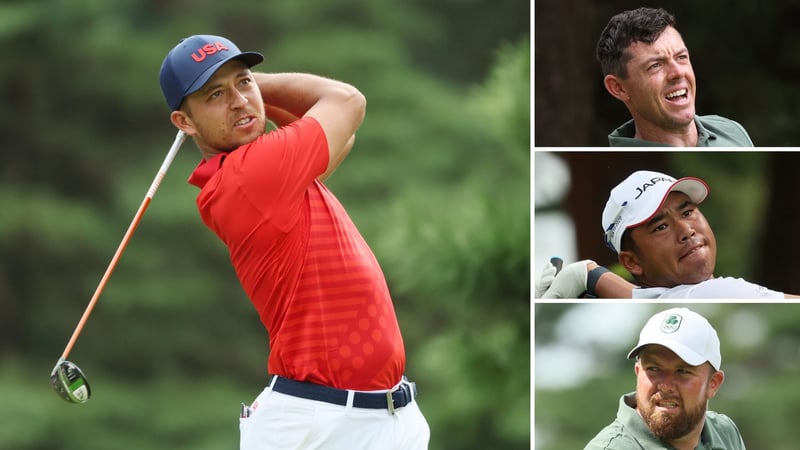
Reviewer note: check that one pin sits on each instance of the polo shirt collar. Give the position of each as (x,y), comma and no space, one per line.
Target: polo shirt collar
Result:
(703,134)
(624,135)
(206,169)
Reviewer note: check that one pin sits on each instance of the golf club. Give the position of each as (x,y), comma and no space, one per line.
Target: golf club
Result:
(557,262)
(66,378)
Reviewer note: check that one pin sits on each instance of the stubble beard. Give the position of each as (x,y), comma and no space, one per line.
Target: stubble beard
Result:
(669,427)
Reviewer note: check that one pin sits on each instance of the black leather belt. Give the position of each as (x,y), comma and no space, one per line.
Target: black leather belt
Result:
(392,400)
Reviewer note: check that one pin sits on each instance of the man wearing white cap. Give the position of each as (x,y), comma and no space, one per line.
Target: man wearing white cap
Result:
(654,224)
(677,372)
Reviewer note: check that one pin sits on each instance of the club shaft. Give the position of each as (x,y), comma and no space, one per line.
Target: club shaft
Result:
(124,243)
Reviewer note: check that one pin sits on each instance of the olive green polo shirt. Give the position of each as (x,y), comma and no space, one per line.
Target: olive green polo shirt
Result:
(712,131)
(629,432)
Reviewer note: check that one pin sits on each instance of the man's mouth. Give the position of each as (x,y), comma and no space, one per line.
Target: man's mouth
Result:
(667,404)
(243,121)
(678,95)
(692,250)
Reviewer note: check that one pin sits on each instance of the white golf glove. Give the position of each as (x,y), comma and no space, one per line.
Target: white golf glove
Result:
(569,283)
(545,280)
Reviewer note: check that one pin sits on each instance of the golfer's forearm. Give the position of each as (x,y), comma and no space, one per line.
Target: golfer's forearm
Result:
(296,93)
(279,116)
(611,285)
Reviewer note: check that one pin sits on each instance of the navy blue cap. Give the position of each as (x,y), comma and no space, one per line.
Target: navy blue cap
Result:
(189,65)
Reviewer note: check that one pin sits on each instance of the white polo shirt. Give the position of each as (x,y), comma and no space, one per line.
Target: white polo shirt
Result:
(725,287)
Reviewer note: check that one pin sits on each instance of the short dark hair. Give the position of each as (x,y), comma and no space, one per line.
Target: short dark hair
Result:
(627,242)
(638,25)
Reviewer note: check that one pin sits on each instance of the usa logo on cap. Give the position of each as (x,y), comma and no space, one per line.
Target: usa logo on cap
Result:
(191,63)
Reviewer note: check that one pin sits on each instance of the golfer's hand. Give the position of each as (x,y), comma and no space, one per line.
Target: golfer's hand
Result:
(570,282)
(545,280)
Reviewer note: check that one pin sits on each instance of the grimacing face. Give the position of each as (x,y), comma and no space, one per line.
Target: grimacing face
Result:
(226,113)
(672,395)
(676,246)
(659,89)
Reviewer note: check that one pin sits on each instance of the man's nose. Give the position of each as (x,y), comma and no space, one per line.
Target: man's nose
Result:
(665,383)
(238,99)
(676,70)
(685,230)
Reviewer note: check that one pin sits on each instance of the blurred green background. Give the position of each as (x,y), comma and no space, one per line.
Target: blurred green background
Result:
(581,369)
(438,183)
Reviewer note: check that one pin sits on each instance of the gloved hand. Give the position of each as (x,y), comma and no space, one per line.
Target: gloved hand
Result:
(569,283)
(545,280)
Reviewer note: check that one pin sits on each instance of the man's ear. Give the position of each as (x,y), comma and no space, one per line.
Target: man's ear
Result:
(182,121)
(631,262)
(714,383)
(615,87)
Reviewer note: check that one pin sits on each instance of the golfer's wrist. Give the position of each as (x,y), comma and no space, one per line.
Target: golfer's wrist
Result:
(593,277)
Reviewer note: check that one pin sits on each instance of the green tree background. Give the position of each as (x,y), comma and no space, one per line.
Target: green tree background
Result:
(438,183)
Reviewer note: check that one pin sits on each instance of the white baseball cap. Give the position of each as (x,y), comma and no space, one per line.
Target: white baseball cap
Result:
(686,333)
(639,197)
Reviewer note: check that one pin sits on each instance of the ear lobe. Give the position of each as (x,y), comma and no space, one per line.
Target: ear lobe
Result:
(631,262)
(182,122)
(615,87)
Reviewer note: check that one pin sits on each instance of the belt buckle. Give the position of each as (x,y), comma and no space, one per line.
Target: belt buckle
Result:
(390,402)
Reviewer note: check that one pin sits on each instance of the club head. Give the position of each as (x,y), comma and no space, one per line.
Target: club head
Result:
(70,383)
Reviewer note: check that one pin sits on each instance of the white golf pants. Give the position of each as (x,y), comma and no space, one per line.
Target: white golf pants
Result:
(280,421)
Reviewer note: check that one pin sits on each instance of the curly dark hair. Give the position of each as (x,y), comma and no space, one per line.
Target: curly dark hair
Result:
(638,25)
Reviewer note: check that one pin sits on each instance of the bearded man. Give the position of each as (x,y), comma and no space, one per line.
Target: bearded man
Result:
(677,371)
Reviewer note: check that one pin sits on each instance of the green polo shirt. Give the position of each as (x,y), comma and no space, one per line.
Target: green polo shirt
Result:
(629,432)
(712,131)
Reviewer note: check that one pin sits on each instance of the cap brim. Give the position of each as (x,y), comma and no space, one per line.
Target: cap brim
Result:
(695,188)
(688,355)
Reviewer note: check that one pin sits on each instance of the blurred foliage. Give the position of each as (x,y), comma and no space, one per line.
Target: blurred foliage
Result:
(438,182)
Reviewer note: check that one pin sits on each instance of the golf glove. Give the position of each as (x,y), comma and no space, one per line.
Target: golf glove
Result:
(545,280)
(569,283)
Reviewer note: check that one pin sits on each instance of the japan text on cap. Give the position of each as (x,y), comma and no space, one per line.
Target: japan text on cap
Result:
(635,200)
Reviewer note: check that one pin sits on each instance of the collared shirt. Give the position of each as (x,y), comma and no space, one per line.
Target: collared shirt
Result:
(309,273)
(630,432)
(725,287)
(712,131)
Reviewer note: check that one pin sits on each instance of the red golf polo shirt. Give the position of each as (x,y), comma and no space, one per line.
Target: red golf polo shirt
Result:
(309,273)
